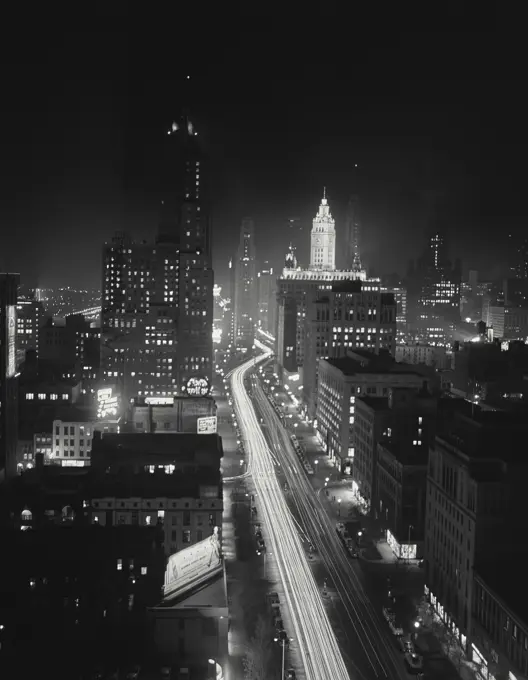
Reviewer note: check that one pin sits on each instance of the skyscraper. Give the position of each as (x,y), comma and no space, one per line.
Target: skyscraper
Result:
(322,252)
(245,298)
(352,235)
(157,308)
(266,294)
(8,376)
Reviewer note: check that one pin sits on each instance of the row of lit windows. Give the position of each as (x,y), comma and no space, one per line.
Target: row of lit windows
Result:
(42,396)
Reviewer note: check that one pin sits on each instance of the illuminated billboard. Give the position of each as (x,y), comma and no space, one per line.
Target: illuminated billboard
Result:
(160,401)
(197,387)
(11,341)
(191,566)
(107,403)
(208,425)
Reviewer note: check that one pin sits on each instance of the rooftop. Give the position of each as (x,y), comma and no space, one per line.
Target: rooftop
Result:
(405,454)
(179,484)
(350,367)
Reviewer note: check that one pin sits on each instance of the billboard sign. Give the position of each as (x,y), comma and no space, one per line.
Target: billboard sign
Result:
(197,387)
(192,565)
(207,425)
(11,341)
(107,403)
(160,401)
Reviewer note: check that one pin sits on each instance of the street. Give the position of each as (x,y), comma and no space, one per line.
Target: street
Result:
(365,639)
(312,631)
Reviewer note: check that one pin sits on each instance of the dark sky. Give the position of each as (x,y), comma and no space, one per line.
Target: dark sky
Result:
(435,121)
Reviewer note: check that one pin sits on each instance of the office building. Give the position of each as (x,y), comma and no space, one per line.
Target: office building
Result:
(499,630)
(400,297)
(433,287)
(423,354)
(298,285)
(157,308)
(323,238)
(402,421)
(343,380)
(70,348)
(352,315)
(8,374)
(30,317)
(173,482)
(246,292)
(476,484)
(266,299)
(353,235)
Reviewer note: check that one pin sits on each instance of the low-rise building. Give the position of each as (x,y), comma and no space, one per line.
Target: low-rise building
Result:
(171,481)
(171,414)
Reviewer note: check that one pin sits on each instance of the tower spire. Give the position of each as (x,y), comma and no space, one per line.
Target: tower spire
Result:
(324,192)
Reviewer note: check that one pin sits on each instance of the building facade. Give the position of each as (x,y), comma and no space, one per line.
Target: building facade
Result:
(30,317)
(8,374)
(323,238)
(474,488)
(266,299)
(157,302)
(340,382)
(246,289)
(353,315)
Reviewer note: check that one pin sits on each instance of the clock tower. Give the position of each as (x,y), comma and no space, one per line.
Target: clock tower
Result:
(322,252)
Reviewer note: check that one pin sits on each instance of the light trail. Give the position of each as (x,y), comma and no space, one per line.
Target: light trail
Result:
(370,631)
(319,650)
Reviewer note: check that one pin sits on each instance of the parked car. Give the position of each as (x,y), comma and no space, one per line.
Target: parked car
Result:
(414,662)
(290,674)
(258,535)
(388,613)
(261,545)
(406,645)
(278,624)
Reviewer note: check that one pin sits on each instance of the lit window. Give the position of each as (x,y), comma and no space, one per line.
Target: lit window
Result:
(30,396)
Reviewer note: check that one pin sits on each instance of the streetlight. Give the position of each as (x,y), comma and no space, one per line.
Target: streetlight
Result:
(339,507)
(283,643)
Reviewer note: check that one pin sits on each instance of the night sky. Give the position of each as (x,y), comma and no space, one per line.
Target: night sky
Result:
(436,123)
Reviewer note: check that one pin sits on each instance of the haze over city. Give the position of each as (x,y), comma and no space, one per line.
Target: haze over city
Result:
(263,350)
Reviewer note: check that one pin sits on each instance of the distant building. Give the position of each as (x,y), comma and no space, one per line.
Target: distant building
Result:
(287,335)
(266,299)
(400,297)
(71,349)
(433,288)
(323,238)
(30,317)
(343,380)
(245,293)
(422,354)
(352,315)
(8,375)
(300,285)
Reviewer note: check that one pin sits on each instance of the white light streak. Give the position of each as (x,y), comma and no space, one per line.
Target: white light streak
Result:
(318,646)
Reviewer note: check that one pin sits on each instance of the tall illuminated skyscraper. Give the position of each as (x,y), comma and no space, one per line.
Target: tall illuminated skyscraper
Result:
(157,308)
(323,238)
(8,375)
(352,235)
(245,298)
